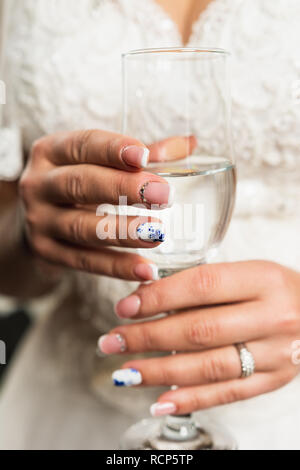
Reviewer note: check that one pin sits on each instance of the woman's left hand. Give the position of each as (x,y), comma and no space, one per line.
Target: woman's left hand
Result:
(217,306)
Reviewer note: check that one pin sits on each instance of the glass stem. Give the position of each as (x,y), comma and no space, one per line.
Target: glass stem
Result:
(178,427)
(182,427)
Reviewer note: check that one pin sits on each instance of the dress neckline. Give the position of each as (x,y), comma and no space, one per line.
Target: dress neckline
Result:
(166,17)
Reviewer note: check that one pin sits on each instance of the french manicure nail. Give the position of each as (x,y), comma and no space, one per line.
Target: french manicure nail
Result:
(112,344)
(147,272)
(151,232)
(136,156)
(127,377)
(161,409)
(128,307)
(158,194)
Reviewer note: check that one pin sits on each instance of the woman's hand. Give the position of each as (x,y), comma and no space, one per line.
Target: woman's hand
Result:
(69,174)
(255,302)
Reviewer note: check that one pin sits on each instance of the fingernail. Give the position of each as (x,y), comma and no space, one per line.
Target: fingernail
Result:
(151,232)
(112,344)
(161,409)
(135,156)
(147,272)
(127,377)
(128,307)
(158,194)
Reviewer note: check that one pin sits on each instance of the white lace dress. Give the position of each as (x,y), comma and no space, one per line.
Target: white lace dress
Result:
(64,72)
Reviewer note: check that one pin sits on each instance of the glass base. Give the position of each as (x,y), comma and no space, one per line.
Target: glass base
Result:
(151,434)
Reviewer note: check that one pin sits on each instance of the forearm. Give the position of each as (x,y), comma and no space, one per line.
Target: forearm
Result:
(21,275)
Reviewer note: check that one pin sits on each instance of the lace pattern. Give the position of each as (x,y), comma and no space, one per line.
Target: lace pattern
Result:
(64,69)
(65,58)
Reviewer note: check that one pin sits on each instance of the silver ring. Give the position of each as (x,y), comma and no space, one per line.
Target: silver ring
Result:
(247,360)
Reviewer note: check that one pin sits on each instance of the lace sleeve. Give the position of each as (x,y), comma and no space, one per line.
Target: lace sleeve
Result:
(10,137)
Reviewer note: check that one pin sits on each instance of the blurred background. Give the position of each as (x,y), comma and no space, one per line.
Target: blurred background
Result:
(14,320)
(13,325)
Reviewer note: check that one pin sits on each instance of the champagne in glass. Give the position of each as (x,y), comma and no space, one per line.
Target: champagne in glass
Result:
(198,220)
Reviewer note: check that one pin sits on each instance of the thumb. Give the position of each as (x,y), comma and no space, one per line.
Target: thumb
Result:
(173,148)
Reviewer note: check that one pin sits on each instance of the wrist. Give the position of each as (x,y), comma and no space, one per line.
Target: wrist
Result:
(22,273)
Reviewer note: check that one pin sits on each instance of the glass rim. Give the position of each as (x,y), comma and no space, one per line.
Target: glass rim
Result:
(175,50)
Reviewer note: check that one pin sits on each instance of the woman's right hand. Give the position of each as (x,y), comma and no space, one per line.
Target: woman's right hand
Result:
(69,174)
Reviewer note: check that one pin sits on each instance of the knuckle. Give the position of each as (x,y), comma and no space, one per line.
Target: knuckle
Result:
(214,370)
(74,188)
(206,281)
(152,295)
(129,185)
(116,268)
(147,338)
(38,245)
(230,395)
(289,321)
(285,313)
(155,299)
(78,229)
(120,188)
(79,145)
(202,332)
(197,401)
(110,149)
(38,149)
(84,263)
(282,378)
(168,375)
(31,219)
(26,187)
(276,275)
(284,302)
(285,355)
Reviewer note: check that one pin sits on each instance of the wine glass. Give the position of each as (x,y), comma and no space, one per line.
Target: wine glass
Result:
(183,92)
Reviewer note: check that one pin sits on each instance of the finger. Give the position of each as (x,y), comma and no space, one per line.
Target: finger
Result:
(199,368)
(107,262)
(98,148)
(83,228)
(200,329)
(187,400)
(173,148)
(88,184)
(204,285)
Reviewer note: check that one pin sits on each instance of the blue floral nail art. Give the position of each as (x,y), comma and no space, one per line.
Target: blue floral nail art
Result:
(126,377)
(151,232)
